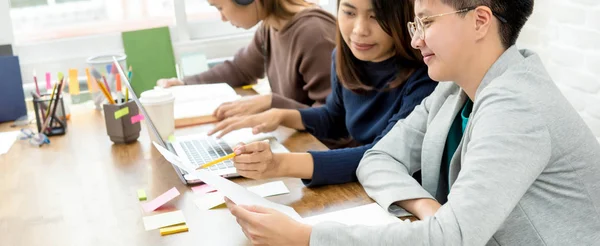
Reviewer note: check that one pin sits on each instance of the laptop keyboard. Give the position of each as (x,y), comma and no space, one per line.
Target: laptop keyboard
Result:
(202,151)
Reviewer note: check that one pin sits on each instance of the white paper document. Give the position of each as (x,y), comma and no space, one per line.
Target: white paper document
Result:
(233,191)
(7,139)
(211,200)
(165,219)
(370,215)
(200,100)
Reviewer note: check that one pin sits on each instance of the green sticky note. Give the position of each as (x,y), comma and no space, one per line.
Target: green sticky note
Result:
(172,138)
(141,195)
(150,52)
(121,112)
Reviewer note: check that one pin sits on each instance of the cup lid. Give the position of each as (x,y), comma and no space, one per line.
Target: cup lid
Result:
(156,97)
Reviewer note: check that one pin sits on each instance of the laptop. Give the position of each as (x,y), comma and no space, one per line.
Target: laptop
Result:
(199,149)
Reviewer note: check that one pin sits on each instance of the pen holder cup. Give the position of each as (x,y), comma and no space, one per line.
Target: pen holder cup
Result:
(44,108)
(122,122)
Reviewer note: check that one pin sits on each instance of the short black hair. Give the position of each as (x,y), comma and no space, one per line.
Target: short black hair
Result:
(516,13)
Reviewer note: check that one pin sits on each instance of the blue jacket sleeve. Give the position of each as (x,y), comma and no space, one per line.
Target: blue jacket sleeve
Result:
(327,121)
(339,166)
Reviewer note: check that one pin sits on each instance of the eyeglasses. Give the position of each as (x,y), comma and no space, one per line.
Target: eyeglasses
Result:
(417,28)
(37,139)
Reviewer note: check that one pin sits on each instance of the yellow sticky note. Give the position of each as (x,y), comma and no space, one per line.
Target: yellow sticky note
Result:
(142,195)
(172,138)
(90,81)
(173,229)
(121,112)
(73,82)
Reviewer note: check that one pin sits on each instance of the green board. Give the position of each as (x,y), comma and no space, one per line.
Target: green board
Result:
(150,54)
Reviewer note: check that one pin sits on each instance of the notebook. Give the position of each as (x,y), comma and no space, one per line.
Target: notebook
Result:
(12,97)
(150,54)
(195,104)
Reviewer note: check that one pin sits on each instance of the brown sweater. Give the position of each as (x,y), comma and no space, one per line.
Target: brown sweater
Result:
(298,60)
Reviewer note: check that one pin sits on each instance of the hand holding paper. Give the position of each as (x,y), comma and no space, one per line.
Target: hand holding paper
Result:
(233,191)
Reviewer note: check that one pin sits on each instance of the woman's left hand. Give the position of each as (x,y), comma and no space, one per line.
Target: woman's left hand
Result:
(265,226)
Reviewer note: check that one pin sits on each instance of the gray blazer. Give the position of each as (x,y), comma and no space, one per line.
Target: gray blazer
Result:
(527,171)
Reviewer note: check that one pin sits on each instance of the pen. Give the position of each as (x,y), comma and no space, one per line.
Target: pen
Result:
(224,158)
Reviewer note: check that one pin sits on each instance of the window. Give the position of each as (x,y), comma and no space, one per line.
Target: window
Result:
(37,20)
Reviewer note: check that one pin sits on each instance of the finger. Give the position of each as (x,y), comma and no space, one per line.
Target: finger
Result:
(221,110)
(239,124)
(259,146)
(217,110)
(236,110)
(229,201)
(247,167)
(219,126)
(253,157)
(258,129)
(242,214)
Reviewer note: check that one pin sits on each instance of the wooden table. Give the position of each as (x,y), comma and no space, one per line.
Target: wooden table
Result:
(81,190)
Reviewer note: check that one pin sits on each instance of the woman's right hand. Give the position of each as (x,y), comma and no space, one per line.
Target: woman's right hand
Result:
(256,161)
(166,83)
(267,121)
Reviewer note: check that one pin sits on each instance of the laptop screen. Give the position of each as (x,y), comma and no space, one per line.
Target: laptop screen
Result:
(149,123)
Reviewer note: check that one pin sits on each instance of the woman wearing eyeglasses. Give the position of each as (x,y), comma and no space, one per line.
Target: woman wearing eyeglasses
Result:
(505,159)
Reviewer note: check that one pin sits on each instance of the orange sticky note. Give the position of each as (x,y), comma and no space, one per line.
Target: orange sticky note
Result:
(90,80)
(118,79)
(73,82)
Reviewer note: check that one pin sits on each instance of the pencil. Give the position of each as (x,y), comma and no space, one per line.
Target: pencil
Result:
(37,88)
(224,158)
(247,87)
(105,92)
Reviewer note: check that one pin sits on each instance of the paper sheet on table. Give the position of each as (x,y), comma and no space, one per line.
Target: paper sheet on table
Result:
(7,139)
(211,200)
(200,100)
(233,191)
(370,215)
(165,219)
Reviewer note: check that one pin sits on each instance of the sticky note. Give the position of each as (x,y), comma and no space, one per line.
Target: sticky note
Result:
(73,82)
(160,200)
(141,195)
(137,118)
(173,229)
(172,138)
(48,81)
(121,112)
(270,189)
(90,81)
(202,189)
(165,219)
(210,200)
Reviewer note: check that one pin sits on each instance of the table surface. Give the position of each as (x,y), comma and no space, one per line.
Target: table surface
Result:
(81,190)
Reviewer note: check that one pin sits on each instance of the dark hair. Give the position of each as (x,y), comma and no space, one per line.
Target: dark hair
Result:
(276,8)
(516,13)
(392,16)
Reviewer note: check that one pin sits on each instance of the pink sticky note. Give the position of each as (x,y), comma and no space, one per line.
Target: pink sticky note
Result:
(160,200)
(201,189)
(48,81)
(137,118)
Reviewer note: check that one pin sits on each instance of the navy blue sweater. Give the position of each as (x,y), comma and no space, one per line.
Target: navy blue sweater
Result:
(366,117)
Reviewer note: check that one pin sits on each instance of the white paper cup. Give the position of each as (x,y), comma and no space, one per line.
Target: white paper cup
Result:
(159,105)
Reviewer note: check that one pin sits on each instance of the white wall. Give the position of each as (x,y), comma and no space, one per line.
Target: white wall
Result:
(6,31)
(566,34)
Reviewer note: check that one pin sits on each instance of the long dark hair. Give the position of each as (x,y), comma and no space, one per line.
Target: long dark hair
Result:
(392,16)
